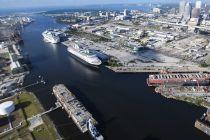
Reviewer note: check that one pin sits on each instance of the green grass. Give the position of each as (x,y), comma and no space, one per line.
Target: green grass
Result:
(204,65)
(89,36)
(42,133)
(30,106)
(5,55)
(113,62)
(46,130)
(22,132)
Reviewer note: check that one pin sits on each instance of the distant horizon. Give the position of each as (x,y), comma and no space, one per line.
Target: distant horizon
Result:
(12,4)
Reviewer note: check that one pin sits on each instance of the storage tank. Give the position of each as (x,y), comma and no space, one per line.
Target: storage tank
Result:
(6,108)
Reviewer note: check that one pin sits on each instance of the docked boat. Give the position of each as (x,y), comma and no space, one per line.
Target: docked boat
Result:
(93,131)
(83,54)
(51,36)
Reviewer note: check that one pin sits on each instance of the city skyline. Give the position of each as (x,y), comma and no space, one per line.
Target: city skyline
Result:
(6,4)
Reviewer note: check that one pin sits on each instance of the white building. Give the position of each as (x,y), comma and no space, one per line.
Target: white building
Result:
(156,10)
(6,108)
(198,4)
(187,11)
(182,6)
(126,12)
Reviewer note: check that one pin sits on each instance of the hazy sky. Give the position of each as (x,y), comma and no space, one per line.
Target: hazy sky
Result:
(45,3)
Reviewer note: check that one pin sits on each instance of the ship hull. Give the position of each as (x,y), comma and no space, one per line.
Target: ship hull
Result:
(83,61)
(93,62)
(51,41)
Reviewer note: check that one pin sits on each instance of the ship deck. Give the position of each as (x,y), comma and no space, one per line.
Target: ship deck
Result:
(73,107)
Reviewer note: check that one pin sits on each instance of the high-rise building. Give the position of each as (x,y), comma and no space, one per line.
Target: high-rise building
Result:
(156,10)
(187,11)
(206,12)
(198,4)
(206,9)
(182,7)
(126,12)
(195,13)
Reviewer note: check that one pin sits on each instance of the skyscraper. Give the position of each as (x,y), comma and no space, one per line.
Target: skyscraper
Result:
(187,11)
(182,7)
(126,12)
(195,13)
(206,9)
(198,4)
(206,12)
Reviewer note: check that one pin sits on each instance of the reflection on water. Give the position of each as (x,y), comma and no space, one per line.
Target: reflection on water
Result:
(52,47)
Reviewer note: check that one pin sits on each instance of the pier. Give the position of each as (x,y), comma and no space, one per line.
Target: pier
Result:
(179,78)
(203,124)
(73,107)
(156,69)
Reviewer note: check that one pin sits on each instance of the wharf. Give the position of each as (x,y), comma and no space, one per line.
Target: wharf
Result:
(143,69)
(203,124)
(202,127)
(73,107)
(182,89)
(179,78)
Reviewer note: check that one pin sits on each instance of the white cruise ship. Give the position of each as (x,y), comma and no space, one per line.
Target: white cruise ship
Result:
(51,36)
(84,54)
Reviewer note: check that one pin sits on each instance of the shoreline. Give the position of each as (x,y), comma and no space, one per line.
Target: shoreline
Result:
(125,69)
(27,105)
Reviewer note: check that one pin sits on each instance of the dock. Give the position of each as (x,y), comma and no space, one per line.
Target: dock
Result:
(178,78)
(202,127)
(203,124)
(73,107)
(156,69)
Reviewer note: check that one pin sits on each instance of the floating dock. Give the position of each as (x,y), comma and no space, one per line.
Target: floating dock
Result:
(73,107)
(179,79)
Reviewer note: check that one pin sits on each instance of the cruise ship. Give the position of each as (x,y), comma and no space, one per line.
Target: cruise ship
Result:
(51,36)
(85,55)
(93,131)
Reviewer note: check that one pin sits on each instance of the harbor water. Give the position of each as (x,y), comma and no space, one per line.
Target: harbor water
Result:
(125,107)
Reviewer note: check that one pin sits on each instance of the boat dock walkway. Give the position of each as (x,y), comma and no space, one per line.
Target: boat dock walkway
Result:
(73,107)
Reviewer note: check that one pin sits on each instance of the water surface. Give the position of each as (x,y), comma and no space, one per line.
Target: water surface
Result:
(125,107)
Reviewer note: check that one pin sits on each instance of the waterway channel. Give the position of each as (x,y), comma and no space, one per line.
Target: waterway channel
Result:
(125,107)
